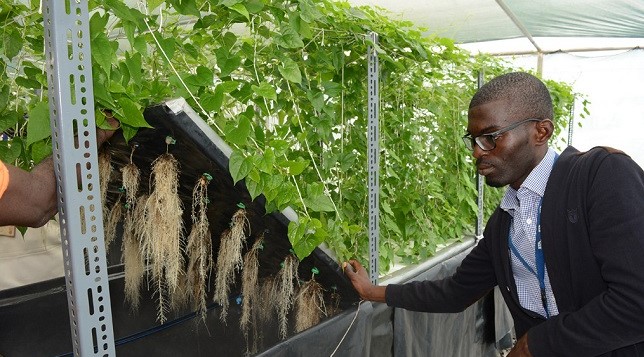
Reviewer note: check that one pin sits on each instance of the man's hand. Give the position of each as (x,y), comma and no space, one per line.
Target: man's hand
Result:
(521,348)
(103,135)
(358,276)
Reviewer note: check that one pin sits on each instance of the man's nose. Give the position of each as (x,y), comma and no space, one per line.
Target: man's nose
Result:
(477,152)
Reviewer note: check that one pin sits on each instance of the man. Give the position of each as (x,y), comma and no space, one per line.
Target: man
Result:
(29,198)
(566,244)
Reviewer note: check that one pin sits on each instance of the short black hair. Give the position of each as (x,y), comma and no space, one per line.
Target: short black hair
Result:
(528,95)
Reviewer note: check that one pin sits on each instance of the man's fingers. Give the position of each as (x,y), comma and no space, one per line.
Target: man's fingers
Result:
(348,267)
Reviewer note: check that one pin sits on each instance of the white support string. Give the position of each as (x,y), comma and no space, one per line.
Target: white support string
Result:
(349,328)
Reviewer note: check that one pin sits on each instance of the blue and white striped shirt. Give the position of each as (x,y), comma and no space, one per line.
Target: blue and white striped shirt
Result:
(523,206)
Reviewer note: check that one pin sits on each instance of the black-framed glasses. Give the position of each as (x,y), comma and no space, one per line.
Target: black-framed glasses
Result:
(487,141)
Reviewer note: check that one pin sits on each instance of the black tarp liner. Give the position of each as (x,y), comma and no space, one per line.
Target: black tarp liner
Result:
(480,330)
(35,322)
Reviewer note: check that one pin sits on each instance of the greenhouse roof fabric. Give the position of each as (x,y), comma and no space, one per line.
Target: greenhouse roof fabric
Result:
(468,21)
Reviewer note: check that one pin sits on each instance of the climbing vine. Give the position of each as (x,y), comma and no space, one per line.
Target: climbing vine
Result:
(284,83)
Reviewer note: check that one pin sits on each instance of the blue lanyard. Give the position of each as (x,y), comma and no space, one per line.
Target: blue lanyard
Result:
(539,260)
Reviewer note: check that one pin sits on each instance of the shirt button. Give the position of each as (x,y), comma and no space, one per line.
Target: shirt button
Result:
(528,221)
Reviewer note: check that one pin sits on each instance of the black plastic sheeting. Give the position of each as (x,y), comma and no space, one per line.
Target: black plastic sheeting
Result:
(35,322)
(376,330)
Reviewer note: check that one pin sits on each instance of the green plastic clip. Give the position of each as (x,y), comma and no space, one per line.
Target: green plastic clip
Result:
(315,271)
(170,140)
(207,176)
(241,205)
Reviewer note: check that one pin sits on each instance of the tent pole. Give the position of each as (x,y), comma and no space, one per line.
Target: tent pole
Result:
(540,63)
(518,23)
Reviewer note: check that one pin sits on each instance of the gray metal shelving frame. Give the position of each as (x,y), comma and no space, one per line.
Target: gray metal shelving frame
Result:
(71,108)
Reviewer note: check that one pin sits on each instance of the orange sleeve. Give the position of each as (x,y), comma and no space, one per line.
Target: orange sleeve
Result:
(4,178)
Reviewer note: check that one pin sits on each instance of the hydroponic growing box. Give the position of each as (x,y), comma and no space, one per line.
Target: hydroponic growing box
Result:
(35,317)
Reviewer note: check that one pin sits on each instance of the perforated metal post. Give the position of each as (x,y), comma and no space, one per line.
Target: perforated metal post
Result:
(71,107)
(373,156)
(571,122)
(479,182)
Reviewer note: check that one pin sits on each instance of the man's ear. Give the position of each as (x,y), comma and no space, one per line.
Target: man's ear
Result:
(545,128)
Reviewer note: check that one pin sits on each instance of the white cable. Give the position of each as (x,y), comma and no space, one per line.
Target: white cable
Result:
(347,331)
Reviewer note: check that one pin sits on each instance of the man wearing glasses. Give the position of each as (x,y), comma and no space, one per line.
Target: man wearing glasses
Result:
(565,245)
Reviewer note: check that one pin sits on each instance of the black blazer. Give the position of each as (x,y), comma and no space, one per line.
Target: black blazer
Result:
(593,241)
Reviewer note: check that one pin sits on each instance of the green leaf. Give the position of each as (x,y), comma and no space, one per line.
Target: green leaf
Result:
(97,24)
(332,89)
(102,52)
(289,70)
(12,42)
(316,98)
(38,125)
(141,45)
(238,166)
(229,3)
(239,134)
(186,7)
(228,86)
(167,46)
(265,90)
(267,161)
(10,150)
(204,76)
(5,95)
(153,4)
(241,9)
(129,28)
(212,102)
(320,203)
(254,6)
(227,61)
(40,150)
(289,38)
(308,11)
(8,119)
(28,83)
(191,50)
(128,131)
(302,240)
(254,188)
(134,66)
(122,11)
(230,39)
(296,167)
(131,113)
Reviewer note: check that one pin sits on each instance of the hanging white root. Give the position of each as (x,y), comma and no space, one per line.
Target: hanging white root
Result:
(199,246)
(309,305)
(267,303)
(164,230)
(131,246)
(286,275)
(229,259)
(114,217)
(250,287)
(133,262)
(104,174)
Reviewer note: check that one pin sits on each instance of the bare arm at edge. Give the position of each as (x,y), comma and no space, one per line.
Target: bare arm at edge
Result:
(30,199)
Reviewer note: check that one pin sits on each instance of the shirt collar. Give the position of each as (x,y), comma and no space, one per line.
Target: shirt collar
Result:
(535,182)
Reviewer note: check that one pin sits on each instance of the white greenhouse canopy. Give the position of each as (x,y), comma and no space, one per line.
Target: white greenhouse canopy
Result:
(597,46)
(529,25)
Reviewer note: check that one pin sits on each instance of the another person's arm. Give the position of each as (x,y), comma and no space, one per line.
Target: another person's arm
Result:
(30,197)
